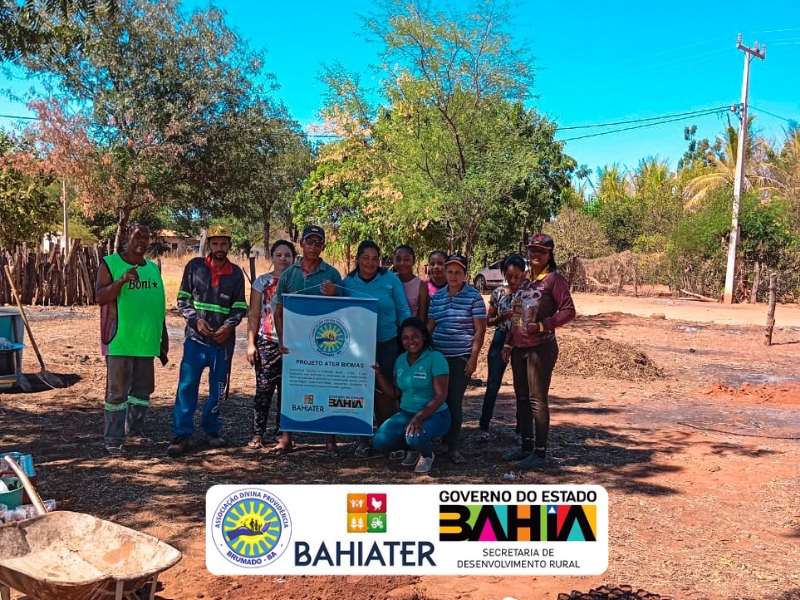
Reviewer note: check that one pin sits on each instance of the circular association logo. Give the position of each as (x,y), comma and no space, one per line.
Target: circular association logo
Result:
(329,337)
(252,528)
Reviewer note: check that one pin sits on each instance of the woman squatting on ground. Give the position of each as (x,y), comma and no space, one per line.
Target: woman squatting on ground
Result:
(420,384)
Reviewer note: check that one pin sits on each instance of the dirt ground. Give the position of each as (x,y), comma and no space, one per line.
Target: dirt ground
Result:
(702,465)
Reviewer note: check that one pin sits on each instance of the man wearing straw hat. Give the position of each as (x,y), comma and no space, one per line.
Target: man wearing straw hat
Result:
(211,299)
(133,332)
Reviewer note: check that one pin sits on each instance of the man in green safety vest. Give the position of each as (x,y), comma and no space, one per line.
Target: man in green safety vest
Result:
(130,292)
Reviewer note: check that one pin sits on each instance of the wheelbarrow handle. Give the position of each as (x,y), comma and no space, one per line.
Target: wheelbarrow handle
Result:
(26,483)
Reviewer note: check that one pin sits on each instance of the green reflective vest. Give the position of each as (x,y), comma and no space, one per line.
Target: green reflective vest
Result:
(141,309)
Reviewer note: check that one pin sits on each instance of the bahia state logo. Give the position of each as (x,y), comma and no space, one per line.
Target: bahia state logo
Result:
(329,337)
(252,528)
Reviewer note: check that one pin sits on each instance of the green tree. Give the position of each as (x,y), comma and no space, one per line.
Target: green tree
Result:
(141,104)
(29,202)
(720,171)
(28,27)
(578,235)
(455,136)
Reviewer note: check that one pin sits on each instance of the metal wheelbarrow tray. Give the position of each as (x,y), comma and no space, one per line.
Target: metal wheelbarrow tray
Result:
(75,556)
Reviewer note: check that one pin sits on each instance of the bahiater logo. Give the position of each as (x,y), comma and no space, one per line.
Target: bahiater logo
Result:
(366,513)
(329,337)
(251,528)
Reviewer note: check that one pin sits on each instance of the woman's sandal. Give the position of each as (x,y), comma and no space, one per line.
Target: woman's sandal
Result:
(364,450)
(281,450)
(255,444)
(333,451)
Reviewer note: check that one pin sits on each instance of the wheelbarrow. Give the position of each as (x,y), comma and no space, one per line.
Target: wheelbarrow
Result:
(75,556)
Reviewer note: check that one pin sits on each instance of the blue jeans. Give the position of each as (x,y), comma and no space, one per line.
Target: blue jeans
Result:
(196,357)
(391,435)
(495,378)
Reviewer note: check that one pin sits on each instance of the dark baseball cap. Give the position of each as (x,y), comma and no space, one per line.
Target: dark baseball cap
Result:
(542,240)
(314,230)
(457,259)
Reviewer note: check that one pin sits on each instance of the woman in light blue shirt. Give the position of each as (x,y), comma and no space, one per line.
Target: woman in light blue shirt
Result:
(420,383)
(371,280)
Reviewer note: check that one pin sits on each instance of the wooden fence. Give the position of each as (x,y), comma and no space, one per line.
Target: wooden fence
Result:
(50,278)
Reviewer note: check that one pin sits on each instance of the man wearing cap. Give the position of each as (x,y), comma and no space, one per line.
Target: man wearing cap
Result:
(309,275)
(457,320)
(130,293)
(211,299)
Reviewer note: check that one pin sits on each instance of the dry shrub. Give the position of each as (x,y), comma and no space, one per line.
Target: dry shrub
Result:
(599,357)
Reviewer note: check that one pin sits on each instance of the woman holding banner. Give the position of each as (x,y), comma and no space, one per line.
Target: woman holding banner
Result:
(371,280)
(420,382)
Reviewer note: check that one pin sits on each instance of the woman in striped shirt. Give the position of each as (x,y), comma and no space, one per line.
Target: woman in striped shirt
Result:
(457,320)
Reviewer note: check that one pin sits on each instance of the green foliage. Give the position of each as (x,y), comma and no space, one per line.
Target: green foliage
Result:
(578,235)
(638,209)
(153,97)
(28,203)
(453,159)
(700,242)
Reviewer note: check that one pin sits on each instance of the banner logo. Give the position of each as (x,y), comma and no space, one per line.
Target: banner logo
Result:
(401,529)
(366,513)
(329,337)
(252,528)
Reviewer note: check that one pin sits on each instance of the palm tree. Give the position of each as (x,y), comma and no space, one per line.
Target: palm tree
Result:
(784,166)
(614,185)
(722,170)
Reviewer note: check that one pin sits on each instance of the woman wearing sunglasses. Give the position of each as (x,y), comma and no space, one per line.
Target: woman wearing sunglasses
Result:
(533,351)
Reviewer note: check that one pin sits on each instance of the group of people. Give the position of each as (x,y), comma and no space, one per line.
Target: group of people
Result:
(429,336)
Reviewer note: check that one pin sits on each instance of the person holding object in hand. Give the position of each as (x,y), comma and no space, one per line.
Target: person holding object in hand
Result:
(133,331)
(421,375)
(457,320)
(313,276)
(211,299)
(532,349)
(501,309)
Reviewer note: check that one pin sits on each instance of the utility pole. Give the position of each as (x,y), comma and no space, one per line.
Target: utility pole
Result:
(730,272)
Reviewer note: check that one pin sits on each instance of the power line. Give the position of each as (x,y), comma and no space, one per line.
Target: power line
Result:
(771,114)
(18,117)
(683,114)
(644,125)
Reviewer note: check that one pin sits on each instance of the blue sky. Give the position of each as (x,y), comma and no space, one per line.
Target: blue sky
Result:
(599,62)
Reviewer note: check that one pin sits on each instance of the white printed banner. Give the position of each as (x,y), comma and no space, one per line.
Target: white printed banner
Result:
(328,384)
(407,530)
